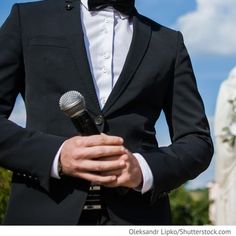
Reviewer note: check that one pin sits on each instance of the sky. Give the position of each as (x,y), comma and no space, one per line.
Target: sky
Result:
(209,31)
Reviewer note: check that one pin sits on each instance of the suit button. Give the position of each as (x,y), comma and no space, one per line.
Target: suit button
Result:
(69,7)
(99,120)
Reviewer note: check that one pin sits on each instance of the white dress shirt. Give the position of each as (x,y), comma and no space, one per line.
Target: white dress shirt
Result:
(107,37)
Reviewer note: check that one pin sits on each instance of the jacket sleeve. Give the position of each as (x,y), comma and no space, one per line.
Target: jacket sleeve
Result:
(191,150)
(23,151)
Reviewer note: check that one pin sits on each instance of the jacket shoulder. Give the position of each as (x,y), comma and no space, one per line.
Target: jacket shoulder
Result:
(37,5)
(156,27)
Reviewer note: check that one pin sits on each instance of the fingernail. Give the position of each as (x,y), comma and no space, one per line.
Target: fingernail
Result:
(113,178)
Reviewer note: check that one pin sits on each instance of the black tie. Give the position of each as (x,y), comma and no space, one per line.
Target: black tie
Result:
(124,6)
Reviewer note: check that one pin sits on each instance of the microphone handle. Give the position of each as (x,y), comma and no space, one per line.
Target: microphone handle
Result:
(85,125)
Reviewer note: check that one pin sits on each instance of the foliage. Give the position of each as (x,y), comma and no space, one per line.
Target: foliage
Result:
(229,132)
(5,177)
(189,207)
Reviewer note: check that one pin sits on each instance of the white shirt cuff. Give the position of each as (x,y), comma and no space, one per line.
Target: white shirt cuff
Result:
(54,169)
(146,172)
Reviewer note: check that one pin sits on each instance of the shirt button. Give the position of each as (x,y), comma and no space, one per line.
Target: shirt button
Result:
(106,20)
(106,56)
(99,120)
(103,100)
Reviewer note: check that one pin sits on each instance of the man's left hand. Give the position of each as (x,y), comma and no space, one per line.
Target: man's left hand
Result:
(129,176)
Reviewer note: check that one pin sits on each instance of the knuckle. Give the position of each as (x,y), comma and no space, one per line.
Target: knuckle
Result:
(80,154)
(96,179)
(102,150)
(125,157)
(99,167)
(73,165)
(80,166)
(79,141)
(103,138)
(122,149)
(117,140)
(73,153)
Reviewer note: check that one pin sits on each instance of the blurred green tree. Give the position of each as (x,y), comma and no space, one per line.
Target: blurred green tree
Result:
(189,207)
(5,177)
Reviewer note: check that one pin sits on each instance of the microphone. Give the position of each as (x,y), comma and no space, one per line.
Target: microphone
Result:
(72,103)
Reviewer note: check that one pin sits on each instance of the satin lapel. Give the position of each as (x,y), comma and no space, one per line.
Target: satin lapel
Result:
(74,33)
(138,47)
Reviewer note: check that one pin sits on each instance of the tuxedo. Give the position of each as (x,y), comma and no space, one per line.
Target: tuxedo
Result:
(43,56)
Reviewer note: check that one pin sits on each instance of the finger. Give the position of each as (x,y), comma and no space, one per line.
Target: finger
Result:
(110,158)
(123,157)
(100,166)
(99,151)
(98,140)
(95,178)
(121,179)
(113,172)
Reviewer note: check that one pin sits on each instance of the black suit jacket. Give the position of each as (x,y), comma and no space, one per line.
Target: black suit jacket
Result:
(42,56)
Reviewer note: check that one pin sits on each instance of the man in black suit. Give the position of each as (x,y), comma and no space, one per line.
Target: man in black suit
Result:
(129,69)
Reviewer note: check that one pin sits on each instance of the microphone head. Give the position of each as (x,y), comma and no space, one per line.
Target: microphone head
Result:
(72,103)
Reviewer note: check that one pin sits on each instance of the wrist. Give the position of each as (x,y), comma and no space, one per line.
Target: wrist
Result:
(59,168)
(139,187)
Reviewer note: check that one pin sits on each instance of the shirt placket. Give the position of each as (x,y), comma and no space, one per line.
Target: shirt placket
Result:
(107,55)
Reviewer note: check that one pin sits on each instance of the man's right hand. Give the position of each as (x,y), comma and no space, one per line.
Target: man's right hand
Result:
(86,157)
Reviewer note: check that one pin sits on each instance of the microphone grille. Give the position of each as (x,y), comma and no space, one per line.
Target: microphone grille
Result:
(72,103)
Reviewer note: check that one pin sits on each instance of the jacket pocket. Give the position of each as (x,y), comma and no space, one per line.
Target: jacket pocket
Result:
(50,41)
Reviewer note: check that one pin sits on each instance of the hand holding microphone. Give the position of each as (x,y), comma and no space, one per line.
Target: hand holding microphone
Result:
(95,157)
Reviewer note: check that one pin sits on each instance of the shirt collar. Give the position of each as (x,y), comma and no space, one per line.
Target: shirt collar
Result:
(85,4)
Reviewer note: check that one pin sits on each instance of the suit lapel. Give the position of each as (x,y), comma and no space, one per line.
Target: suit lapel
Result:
(74,33)
(138,47)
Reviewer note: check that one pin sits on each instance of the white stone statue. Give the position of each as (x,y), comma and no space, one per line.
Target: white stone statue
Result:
(225,150)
